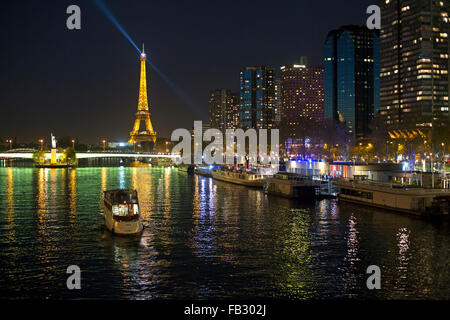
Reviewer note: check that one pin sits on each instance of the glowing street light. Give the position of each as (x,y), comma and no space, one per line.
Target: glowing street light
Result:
(104,145)
(73,144)
(41,141)
(10,143)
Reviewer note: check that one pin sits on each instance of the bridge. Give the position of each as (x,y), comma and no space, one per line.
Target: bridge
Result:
(137,135)
(19,154)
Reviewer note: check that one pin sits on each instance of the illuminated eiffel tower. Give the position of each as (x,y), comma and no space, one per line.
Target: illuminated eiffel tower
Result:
(143,114)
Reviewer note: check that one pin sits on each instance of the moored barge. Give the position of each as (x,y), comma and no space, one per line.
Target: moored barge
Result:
(401,198)
(245,178)
(293,186)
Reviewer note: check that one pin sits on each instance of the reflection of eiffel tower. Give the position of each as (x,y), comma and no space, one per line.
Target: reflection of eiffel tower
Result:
(149,135)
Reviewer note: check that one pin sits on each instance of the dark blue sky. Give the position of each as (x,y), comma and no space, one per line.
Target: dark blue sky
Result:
(85,83)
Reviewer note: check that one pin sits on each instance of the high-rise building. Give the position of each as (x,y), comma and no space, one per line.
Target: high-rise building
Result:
(414,66)
(302,100)
(277,110)
(257,98)
(352,82)
(233,112)
(223,109)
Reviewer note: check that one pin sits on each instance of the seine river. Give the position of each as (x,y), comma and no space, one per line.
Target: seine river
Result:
(205,239)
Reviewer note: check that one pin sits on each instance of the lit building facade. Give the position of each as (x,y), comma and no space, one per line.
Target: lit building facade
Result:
(257,98)
(233,112)
(277,111)
(223,109)
(302,104)
(352,82)
(414,65)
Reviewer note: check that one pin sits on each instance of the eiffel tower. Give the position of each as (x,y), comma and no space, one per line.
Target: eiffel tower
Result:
(143,114)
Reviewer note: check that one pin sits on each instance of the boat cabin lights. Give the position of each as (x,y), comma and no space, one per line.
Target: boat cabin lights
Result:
(125,210)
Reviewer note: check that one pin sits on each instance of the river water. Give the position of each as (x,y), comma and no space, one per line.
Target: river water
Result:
(205,239)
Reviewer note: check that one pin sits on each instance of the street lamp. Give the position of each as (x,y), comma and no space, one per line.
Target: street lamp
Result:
(104,145)
(167,150)
(10,143)
(42,143)
(73,144)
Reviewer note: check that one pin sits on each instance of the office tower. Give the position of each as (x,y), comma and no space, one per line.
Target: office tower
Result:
(352,80)
(257,98)
(232,121)
(277,110)
(223,109)
(302,101)
(414,66)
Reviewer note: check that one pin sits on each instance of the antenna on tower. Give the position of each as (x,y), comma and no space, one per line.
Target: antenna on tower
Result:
(143,55)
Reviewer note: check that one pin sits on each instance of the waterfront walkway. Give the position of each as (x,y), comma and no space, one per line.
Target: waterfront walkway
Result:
(88,155)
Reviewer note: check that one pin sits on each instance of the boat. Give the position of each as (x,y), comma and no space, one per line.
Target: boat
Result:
(139,164)
(245,178)
(402,198)
(186,168)
(440,207)
(55,165)
(204,171)
(293,186)
(121,211)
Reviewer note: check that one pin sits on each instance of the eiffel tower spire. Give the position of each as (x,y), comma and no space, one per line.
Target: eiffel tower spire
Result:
(143,113)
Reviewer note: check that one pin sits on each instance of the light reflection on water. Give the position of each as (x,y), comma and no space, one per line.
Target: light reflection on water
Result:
(206,239)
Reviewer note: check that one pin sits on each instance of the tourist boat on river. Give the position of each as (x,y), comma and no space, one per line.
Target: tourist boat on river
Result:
(121,211)
(402,198)
(243,177)
(293,186)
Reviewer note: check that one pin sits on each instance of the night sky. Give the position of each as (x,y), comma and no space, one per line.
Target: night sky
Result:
(84,83)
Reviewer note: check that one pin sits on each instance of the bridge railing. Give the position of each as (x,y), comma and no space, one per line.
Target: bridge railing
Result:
(89,154)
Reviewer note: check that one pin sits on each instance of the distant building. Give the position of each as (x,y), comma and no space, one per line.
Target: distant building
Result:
(205,127)
(277,110)
(302,100)
(414,65)
(257,98)
(163,145)
(223,109)
(233,112)
(119,145)
(352,82)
